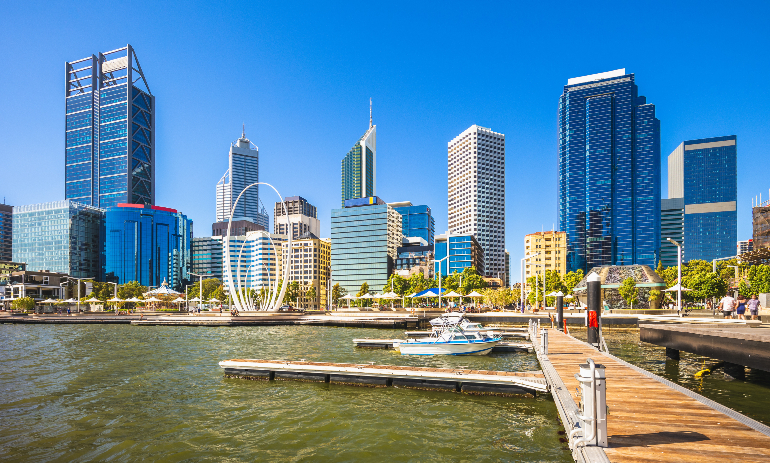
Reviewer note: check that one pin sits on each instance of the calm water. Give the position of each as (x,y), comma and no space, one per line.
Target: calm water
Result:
(748,397)
(125,393)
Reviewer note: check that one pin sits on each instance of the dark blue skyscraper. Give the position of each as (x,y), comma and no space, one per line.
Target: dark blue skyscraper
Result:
(609,172)
(110,131)
(704,173)
(415,220)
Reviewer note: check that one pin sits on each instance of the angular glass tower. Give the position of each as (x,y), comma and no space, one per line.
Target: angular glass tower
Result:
(415,220)
(110,131)
(609,172)
(243,171)
(359,166)
(703,175)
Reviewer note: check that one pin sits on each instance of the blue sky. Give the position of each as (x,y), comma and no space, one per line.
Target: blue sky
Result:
(300,75)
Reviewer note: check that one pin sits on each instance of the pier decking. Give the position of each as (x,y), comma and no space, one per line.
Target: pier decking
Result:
(737,344)
(650,418)
(458,380)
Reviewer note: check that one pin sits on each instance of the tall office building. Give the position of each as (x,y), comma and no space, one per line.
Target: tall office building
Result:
(243,171)
(6,232)
(303,217)
(110,131)
(760,224)
(549,249)
(463,250)
(62,236)
(477,192)
(744,246)
(148,244)
(416,221)
(704,174)
(366,234)
(309,264)
(359,166)
(207,256)
(671,226)
(609,172)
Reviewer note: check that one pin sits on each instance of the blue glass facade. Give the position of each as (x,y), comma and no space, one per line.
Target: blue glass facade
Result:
(464,251)
(417,221)
(62,236)
(707,179)
(148,244)
(110,131)
(365,240)
(609,173)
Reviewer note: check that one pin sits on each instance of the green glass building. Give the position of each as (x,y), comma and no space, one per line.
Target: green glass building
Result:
(359,167)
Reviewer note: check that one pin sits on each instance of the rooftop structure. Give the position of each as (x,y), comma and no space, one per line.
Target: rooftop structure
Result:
(359,166)
(243,170)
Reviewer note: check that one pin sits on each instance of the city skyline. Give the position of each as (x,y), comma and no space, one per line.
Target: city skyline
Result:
(417,120)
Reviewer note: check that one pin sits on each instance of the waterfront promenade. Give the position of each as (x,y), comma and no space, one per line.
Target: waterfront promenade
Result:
(650,418)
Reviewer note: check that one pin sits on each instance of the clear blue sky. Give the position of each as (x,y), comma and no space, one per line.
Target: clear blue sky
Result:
(300,77)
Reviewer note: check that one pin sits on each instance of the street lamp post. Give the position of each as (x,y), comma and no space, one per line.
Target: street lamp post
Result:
(186,298)
(523,281)
(678,275)
(200,293)
(440,273)
(78,280)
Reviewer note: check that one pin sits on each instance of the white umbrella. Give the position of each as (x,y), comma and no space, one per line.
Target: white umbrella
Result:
(367,296)
(49,301)
(179,299)
(676,288)
(390,295)
(153,299)
(196,299)
(71,301)
(348,296)
(115,299)
(452,294)
(213,299)
(475,294)
(134,299)
(92,300)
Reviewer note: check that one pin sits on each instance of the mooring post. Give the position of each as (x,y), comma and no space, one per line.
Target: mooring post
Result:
(593,293)
(559,310)
(673,354)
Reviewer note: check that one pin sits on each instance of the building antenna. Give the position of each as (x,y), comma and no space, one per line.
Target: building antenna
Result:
(370,112)
(243,133)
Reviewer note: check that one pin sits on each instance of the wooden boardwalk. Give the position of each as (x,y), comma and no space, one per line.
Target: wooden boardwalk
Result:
(652,421)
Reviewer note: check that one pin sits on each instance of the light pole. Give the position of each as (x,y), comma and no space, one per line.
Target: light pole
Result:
(78,280)
(440,273)
(186,298)
(523,281)
(200,293)
(678,275)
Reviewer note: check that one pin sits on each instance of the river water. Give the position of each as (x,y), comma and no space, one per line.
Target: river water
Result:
(129,393)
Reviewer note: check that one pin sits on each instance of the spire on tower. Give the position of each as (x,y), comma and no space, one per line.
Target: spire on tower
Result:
(370,112)
(243,133)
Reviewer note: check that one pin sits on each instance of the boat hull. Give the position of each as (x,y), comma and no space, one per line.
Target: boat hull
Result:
(447,348)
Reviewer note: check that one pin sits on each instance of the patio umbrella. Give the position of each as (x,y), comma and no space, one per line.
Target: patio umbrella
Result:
(49,301)
(179,299)
(213,299)
(153,299)
(473,294)
(348,297)
(92,300)
(115,299)
(676,288)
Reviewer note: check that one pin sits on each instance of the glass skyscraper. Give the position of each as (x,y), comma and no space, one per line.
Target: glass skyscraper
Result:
(366,235)
(671,226)
(416,221)
(464,251)
(359,166)
(6,232)
(243,170)
(148,244)
(609,172)
(110,131)
(704,174)
(62,236)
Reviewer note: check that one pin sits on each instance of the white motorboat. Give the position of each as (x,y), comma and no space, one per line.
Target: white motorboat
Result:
(449,338)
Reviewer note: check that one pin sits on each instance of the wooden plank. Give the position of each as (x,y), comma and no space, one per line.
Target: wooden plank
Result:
(650,421)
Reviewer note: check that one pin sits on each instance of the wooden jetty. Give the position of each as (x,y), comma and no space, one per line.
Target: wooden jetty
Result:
(368,343)
(650,418)
(458,380)
(740,345)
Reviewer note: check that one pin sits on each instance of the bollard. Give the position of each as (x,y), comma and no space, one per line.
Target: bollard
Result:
(559,310)
(593,294)
(593,415)
(544,340)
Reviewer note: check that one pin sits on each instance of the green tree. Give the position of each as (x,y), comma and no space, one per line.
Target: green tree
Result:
(399,284)
(758,279)
(472,281)
(210,285)
(660,268)
(311,295)
(362,291)
(628,291)
(571,279)
(418,282)
(23,303)
(131,289)
(704,285)
(654,295)
(498,298)
(337,293)
(293,291)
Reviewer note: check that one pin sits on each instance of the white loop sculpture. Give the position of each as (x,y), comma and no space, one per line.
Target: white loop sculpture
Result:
(241,295)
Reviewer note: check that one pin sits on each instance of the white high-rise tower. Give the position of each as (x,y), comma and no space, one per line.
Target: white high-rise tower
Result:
(476,192)
(243,171)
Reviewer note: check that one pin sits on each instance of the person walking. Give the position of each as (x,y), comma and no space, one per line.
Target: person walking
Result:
(754,306)
(741,310)
(726,305)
